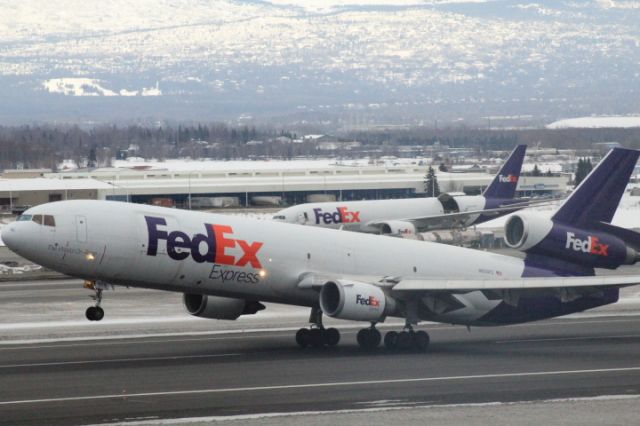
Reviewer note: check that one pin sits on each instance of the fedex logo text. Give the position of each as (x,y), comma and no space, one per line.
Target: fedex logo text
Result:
(341,215)
(216,244)
(591,245)
(368,301)
(508,179)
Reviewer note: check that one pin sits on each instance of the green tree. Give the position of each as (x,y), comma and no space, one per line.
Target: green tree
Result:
(536,171)
(582,170)
(431,183)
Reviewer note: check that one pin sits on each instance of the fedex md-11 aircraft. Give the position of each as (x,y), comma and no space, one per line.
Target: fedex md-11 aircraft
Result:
(409,216)
(227,266)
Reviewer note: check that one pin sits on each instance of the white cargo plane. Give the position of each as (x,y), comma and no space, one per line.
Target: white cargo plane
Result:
(408,216)
(226,266)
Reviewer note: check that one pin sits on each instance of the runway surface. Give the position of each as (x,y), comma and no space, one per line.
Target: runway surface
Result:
(112,380)
(149,360)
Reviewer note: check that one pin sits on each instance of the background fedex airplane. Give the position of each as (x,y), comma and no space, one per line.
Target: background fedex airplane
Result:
(411,215)
(226,266)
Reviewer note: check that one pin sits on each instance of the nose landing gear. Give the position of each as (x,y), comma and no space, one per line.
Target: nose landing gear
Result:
(94,313)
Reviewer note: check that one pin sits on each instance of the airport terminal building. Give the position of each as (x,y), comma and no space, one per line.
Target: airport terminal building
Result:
(276,183)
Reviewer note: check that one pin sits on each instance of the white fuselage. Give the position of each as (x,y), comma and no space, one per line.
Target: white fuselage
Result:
(359,215)
(252,259)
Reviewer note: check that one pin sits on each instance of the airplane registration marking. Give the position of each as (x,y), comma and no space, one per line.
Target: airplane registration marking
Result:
(322,385)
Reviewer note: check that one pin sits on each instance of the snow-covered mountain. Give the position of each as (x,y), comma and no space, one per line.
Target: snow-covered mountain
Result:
(350,62)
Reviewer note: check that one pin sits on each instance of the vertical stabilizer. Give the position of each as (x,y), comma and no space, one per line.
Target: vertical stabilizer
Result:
(597,197)
(504,184)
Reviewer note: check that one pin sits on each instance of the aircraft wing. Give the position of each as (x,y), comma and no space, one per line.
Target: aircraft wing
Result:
(458,220)
(466,285)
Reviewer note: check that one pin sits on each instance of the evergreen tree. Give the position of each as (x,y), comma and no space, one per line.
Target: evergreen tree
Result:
(431,183)
(536,171)
(582,170)
(92,160)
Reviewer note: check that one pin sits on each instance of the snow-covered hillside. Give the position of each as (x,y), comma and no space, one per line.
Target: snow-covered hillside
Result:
(296,56)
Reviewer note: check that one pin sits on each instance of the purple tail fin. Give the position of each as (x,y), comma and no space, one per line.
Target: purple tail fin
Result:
(504,184)
(597,197)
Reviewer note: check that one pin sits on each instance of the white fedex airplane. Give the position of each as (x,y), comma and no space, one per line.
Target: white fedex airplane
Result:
(410,215)
(226,266)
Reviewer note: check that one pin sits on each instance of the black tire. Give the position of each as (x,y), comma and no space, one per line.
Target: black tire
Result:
(374,338)
(391,340)
(331,336)
(302,337)
(404,341)
(316,338)
(99,313)
(90,313)
(363,337)
(421,340)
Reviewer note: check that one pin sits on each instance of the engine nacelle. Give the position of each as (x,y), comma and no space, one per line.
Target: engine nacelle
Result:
(398,227)
(523,231)
(355,301)
(216,307)
(596,249)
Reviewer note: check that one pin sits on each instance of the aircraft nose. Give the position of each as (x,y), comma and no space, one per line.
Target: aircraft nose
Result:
(8,235)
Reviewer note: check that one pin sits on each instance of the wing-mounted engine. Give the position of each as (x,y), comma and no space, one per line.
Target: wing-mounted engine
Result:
(351,300)
(587,247)
(216,307)
(397,228)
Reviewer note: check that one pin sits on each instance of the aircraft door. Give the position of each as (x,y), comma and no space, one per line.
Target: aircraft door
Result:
(81,229)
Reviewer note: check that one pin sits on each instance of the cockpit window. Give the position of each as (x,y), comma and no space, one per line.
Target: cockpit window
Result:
(279,217)
(37,218)
(49,220)
(24,218)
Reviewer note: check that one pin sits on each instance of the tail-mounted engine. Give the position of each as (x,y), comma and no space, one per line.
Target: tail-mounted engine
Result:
(355,301)
(592,248)
(216,307)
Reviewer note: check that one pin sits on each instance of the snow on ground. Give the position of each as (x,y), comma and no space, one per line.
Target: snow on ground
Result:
(596,122)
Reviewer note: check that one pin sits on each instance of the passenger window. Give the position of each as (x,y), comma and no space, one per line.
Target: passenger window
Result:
(49,220)
(37,218)
(24,218)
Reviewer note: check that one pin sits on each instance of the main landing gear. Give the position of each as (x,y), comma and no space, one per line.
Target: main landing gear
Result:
(94,313)
(316,335)
(369,338)
(407,340)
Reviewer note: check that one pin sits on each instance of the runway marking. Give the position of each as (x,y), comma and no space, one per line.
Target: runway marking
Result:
(561,339)
(423,406)
(321,385)
(33,343)
(104,361)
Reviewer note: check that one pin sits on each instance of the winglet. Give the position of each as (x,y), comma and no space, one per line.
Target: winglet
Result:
(505,182)
(597,197)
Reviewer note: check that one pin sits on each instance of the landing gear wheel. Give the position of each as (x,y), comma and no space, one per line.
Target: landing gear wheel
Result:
(99,313)
(316,338)
(369,338)
(94,313)
(391,340)
(421,340)
(303,337)
(331,336)
(404,341)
